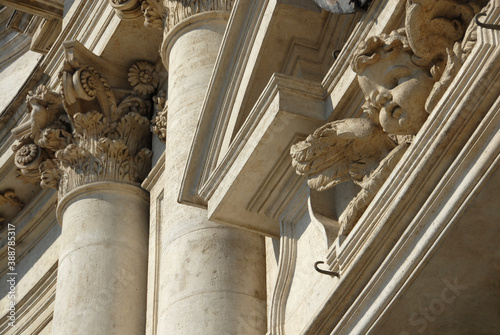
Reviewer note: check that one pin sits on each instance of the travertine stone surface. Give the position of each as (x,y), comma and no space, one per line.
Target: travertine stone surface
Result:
(212,276)
(179,10)
(101,283)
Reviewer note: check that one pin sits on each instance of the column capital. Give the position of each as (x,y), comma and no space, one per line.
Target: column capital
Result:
(88,131)
(179,10)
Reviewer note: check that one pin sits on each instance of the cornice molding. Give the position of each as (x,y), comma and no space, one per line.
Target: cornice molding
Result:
(49,9)
(253,186)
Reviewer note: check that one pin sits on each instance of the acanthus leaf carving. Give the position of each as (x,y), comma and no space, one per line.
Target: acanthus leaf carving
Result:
(159,119)
(89,137)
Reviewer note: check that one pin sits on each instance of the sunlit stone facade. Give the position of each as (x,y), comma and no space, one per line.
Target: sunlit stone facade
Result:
(249,167)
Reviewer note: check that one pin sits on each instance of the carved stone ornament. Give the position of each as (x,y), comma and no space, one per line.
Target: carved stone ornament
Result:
(83,134)
(9,197)
(143,77)
(178,10)
(127,9)
(28,157)
(154,13)
(402,75)
(159,120)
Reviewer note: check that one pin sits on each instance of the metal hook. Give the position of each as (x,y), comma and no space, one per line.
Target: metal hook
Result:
(330,273)
(359,7)
(485,25)
(336,53)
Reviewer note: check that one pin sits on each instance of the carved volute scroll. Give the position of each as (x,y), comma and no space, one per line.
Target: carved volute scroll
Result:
(402,75)
(88,132)
(178,10)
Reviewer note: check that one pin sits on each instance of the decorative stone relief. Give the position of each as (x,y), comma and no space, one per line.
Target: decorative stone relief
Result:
(144,78)
(179,10)
(127,9)
(159,120)
(154,13)
(28,157)
(9,197)
(402,76)
(366,150)
(433,26)
(455,58)
(83,135)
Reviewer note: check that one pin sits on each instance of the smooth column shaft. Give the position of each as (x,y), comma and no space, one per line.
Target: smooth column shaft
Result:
(101,280)
(212,275)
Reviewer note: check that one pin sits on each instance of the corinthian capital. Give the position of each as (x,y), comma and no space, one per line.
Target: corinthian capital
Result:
(89,132)
(178,10)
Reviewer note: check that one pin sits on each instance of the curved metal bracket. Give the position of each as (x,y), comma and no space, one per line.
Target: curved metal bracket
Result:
(485,25)
(336,53)
(330,273)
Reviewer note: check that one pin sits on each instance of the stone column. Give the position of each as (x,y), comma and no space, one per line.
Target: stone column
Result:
(101,279)
(91,144)
(212,276)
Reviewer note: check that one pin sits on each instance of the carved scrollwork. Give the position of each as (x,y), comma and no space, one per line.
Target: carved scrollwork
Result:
(10,197)
(159,120)
(27,154)
(28,157)
(402,75)
(154,13)
(455,58)
(87,137)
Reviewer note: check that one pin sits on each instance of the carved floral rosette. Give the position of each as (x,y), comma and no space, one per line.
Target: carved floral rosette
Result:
(179,10)
(93,138)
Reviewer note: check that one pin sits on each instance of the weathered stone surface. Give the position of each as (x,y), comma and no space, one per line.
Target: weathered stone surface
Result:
(391,119)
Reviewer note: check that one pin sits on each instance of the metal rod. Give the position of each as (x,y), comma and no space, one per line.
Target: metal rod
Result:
(330,273)
(485,25)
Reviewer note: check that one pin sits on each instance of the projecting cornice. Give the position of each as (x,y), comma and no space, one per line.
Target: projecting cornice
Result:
(49,9)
